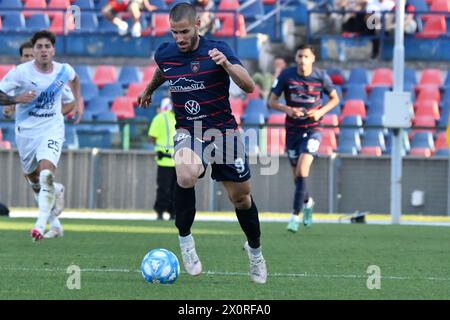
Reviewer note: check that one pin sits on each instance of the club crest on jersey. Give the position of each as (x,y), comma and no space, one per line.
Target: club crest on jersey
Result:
(195,66)
(310,88)
(59,83)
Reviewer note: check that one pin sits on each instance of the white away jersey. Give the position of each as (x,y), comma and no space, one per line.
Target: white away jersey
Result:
(44,112)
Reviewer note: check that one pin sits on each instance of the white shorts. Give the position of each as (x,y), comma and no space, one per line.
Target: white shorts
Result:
(47,146)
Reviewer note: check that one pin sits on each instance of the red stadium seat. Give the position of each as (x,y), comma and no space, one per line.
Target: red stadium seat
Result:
(427,108)
(33,4)
(325,150)
(4,69)
(371,151)
(256,94)
(104,75)
(276,141)
(160,24)
(147,73)
(353,108)
(430,77)
(331,120)
(228,5)
(123,107)
(57,22)
(423,121)
(435,26)
(329,138)
(441,141)
(237,106)
(277,118)
(59,4)
(421,152)
(229,28)
(440,5)
(135,89)
(382,77)
(5,145)
(429,93)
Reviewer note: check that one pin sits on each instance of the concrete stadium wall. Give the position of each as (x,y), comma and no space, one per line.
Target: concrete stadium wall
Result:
(113,179)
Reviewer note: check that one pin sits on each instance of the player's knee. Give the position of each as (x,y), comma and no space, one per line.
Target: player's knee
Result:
(46,178)
(241,201)
(186,179)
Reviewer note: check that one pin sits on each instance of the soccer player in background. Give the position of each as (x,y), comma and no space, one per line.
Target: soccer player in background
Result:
(39,121)
(303,87)
(68,103)
(199,71)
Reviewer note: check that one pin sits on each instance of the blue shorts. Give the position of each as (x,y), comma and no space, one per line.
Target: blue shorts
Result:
(302,141)
(227,156)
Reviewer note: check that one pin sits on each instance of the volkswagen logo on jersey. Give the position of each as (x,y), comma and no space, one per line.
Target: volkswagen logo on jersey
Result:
(192,107)
(195,66)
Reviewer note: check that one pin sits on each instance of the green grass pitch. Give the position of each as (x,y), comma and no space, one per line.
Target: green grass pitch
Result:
(328,261)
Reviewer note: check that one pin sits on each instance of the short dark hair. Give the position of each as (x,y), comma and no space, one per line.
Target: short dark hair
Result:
(43,34)
(182,11)
(26,45)
(305,46)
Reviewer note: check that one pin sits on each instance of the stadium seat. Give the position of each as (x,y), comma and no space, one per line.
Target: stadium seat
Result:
(329,138)
(5,68)
(13,21)
(325,150)
(71,137)
(371,151)
(230,26)
(440,5)
(37,22)
(277,118)
(356,92)
(237,106)
(420,152)
(135,89)
(33,4)
(336,75)
(430,77)
(351,123)
(5,145)
(419,5)
(257,106)
(409,77)
(58,19)
(11,4)
(331,121)
(423,140)
(97,105)
(123,107)
(89,138)
(441,141)
(374,138)
(253,11)
(59,4)
(376,108)
(127,75)
(429,93)
(160,24)
(427,108)
(444,152)
(104,75)
(86,4)
(358,76)
(423,121)
(276,141)
(353,107)
(88,91)
(83,73)
(256,94)
(446,96)
(107,116)
(382,77)
(110,91)
(147,73)
(161,4)
(228,4)
(88,23)
(435,26)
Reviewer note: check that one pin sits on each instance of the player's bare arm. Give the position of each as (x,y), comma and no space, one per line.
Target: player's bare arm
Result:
(6,99)
(291,112)
(239,75)
(8,111)
(319,113)
(67,108)
(74,85)
(145,98)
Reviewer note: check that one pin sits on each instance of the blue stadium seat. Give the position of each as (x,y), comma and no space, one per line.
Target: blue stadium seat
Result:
(110,91)
(13,21)
(37,21)
(83,73)
(349,142)
(128,74)
(422,140)
(106,26)
(258,106)
(11,4)
(88,138)
(88,91)
(446,95)
(405,142)
(445,114)
(358,76)
(376,120)
(409,76)
(253,119)
(161,4)
(253,11)
(356,92)
(376,108)
(88,118)
(107,116)
(9,133)
(447,80)
(88,23)
(97,105)
(148,113)
(419,5)
(99,4)
(85,4)
(374,138)
(442,152)
(353,122)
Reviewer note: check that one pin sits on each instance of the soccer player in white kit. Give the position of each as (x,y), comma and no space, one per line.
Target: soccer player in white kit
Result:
(68,103)
(39,122)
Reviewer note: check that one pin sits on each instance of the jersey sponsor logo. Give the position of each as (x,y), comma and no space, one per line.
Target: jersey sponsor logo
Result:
(192,107)
(303,98)
(59,83)
(195,66)
(185,85)
(167,69)
(180,136)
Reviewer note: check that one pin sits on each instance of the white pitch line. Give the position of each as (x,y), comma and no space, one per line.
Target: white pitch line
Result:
(224,273)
